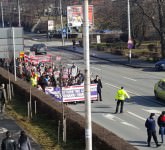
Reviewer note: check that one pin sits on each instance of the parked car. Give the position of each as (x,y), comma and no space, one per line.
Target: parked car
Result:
(160,65)
(39,49)
(159,89)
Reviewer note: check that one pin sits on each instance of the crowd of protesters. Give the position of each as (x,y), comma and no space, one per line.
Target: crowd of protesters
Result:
(42,75)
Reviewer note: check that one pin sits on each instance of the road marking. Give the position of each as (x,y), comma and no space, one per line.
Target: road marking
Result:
(130,125)
(112,117)
(133,114)
(95,68)
(152,111)
(109,116)
(129,78)
(136,94)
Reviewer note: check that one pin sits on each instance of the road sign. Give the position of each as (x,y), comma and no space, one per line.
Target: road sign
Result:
(130,44)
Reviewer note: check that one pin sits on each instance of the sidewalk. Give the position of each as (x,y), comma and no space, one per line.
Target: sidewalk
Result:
(136,63)
(7,123)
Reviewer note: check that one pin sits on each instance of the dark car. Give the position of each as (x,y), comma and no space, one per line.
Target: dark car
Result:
(39,49)
(160,65)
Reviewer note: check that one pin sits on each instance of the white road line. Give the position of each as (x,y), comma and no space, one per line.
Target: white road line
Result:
(109,116)
(130,125)
(133,114)
(95,68)
(126,90)
(129,78)
(112,117)
(152,111)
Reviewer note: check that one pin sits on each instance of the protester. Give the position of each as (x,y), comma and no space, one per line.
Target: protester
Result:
(73,70)
(161,124)
(97,80)
(120,97)
(8,143)
(3,98)
(24,142)
(151,130)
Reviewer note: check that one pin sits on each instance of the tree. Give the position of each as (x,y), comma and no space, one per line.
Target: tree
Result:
(156,15)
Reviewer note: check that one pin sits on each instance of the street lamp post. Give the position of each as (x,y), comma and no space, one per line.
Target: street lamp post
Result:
(88,126)
(62,26)
(130,43)
(19,14)
(2,15)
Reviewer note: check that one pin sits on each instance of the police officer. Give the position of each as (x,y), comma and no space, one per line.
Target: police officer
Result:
(8,143)
(120,97)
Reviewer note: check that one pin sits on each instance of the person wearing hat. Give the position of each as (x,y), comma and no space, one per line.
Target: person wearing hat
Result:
(8,143)
(161,124)
(120,97)
(3,97)
(150,124)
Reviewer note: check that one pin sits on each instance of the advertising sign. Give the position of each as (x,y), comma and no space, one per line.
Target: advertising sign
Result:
(50,25)
(75,15)
(71,93)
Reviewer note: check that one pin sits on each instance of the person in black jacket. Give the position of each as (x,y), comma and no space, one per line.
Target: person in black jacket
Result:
(97,80)
(151,129)
(8,143)
(161,124)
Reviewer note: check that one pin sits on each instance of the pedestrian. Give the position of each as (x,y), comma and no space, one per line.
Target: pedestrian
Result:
(24,142)
(150,124)
(74,43)
(97,80)
(73,70)
(161,124)
(120,97)
(8,143)
(3,98)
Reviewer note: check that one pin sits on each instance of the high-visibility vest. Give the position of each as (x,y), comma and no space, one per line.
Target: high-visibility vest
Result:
(33,81)
(121,95)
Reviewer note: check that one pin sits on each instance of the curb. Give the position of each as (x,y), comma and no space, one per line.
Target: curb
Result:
(117,62)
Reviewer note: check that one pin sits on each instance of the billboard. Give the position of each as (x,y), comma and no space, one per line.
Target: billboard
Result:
(50,25)
(75,15)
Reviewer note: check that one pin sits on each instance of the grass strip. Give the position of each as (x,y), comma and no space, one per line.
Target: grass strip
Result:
(42,129)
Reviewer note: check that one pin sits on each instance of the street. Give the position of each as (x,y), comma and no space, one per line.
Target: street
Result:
(138,83)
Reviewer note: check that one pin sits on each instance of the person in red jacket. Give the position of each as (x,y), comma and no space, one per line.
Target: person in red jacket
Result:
(161,124)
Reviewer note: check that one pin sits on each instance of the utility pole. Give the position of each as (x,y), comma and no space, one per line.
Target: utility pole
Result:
(15,73)
(88,127)
(130,42)
(19,14)
(62,26)
(2,15)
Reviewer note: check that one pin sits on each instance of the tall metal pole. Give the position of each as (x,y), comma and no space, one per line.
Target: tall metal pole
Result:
(15,75)
(130,43)
(61,24)
(19,14)
(88,127)
(2,15)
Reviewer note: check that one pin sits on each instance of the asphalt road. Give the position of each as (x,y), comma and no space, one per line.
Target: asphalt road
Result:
(139,84)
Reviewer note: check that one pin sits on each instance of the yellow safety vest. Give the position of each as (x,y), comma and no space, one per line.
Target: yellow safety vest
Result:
(33,81)
(121,95)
